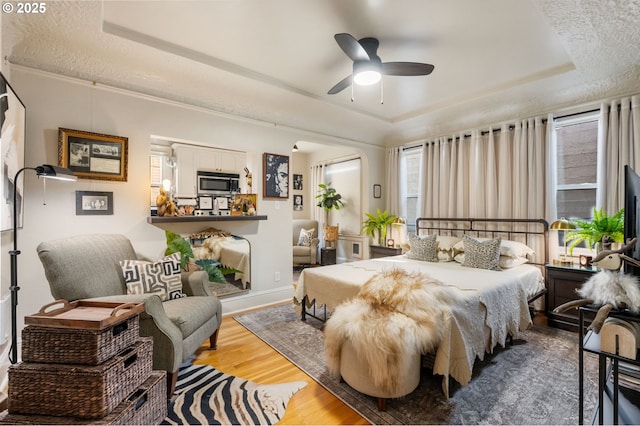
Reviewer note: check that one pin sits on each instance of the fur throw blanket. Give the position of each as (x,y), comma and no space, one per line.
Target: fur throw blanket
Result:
(616,288)
(395,314)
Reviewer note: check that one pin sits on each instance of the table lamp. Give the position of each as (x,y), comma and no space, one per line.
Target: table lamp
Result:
(562,224)
(48,172)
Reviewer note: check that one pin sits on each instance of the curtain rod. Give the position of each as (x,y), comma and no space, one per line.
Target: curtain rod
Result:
(482,133)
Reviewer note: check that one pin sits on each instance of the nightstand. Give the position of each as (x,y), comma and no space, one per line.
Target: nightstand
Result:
(381,251)
(327,256)
(562,283)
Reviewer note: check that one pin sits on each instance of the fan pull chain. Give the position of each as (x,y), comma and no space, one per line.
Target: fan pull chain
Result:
(381,91)
(352,84)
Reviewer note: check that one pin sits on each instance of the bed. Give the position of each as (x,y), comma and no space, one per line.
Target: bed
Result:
(496,304)
(236,253)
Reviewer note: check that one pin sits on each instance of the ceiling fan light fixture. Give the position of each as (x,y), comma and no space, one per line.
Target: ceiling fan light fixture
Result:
(366,73)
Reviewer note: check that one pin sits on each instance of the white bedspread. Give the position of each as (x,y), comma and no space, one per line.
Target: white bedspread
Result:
(494,304)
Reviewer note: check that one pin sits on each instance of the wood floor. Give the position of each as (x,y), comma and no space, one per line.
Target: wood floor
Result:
(240,353)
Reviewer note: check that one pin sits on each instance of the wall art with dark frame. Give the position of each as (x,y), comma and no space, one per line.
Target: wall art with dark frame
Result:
(94,203)
(12,135)
(275,182)
(93,155)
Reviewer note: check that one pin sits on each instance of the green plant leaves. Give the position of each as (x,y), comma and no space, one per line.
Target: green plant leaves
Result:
(177,244)
(592,231)
(329,198)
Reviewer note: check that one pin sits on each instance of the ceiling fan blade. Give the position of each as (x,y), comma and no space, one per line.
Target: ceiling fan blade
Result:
(343,84)
(406,68)
(351,47)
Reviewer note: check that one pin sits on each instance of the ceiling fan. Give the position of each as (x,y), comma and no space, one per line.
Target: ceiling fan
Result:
(368,68)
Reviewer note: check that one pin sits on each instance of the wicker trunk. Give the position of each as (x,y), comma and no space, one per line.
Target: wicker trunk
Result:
(145,406)
(81,391)
(78,346)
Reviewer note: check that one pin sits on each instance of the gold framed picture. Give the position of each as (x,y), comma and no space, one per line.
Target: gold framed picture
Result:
(93,155)
(244,205)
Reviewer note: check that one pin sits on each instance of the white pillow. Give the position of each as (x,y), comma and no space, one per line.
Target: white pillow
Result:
(507,262)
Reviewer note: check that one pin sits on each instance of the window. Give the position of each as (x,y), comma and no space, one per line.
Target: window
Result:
(577,160)
(411,176)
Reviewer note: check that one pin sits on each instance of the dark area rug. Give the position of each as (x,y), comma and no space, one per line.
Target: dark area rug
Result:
(532,381)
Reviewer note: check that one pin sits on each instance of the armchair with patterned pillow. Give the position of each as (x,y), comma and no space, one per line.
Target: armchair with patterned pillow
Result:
(305,242)
(179,313)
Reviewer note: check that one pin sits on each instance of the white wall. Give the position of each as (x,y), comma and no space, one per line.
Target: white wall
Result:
(54,102)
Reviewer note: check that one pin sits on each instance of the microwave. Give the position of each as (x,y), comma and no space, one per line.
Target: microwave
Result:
(217,183)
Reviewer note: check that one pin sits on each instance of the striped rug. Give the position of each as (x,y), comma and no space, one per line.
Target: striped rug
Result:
(205,396)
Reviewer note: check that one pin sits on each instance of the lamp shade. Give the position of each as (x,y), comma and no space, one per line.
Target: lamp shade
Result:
(562,224)
(55,172)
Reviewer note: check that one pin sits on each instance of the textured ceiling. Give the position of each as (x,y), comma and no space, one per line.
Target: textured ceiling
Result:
(275,60)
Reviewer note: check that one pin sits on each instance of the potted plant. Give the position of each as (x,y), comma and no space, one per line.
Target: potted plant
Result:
(592,232)
(378,223)
(329,199)
(177,243)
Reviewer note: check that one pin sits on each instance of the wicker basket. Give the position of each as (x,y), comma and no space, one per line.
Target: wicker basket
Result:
(146,406)
(78,346)
(78,390)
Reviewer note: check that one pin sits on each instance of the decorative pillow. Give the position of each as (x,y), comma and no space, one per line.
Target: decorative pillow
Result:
(161,277)
(509,248)
(507,262)
(446,252)
(423,248)
(481,254)
(306,235)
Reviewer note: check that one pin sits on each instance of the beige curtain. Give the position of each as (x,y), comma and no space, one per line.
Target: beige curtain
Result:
(619,143)
(486,174)
(394,188)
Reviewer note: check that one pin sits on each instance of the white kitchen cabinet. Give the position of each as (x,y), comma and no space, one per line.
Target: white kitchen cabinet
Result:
(190,159)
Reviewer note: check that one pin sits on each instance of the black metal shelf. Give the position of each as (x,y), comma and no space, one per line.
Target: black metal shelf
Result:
(154,220)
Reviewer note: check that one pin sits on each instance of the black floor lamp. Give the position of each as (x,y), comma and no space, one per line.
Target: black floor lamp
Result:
(48,172)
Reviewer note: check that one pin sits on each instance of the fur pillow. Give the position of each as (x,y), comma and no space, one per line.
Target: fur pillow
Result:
(161,277)
(481,254)
(423,248)
(306,235)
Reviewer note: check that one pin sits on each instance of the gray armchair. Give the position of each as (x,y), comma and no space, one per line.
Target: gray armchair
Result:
(303,255)
(87,267)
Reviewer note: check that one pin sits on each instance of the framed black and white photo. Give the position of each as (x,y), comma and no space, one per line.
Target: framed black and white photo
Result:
(94,203)
(297,202)
(93,155)
(275,181)
(12,128)
(297,181)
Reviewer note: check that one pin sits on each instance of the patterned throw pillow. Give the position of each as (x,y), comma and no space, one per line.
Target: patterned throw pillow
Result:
(161,277)
(306,235)
(423,248)
(482,254)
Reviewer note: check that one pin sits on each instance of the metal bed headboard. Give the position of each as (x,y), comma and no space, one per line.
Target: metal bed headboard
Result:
(532,232)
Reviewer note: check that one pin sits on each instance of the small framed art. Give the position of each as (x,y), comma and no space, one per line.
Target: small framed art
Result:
(94,203)
(93,155)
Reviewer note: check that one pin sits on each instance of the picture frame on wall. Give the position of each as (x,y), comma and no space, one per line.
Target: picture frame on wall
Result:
(94,203)
(93,155)
(275,182)
(12,136)
(298,203)
(297,182)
